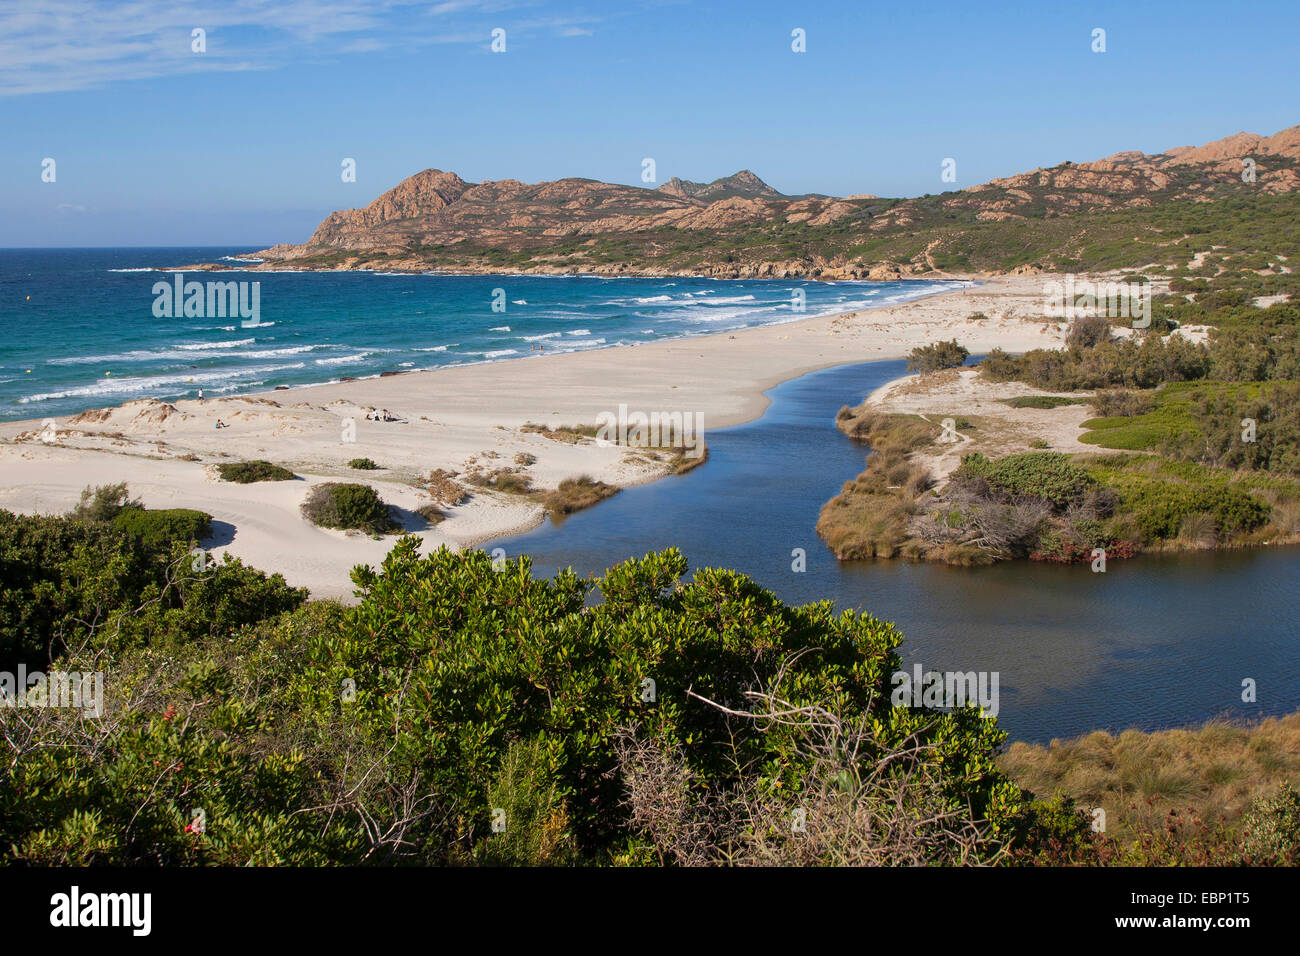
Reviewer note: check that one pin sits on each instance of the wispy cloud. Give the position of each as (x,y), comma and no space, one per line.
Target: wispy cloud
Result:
(49,46)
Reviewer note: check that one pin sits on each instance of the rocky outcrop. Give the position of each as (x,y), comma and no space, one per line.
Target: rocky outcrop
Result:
(742,185)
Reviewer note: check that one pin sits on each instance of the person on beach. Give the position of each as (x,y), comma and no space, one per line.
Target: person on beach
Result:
(221,424)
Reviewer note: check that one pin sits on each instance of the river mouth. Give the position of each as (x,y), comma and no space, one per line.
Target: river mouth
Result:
(1157,641)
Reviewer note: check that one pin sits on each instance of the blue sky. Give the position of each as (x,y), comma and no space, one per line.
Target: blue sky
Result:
(242,144)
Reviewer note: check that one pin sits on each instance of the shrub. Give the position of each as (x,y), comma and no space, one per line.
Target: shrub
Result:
(716,637)
(569,434)
(103,502)
(936,356)
(247,472)
(442,487)
(469,687)
(1121,403)
(1087,331)
(1141,362)
(363,464)
(70,583)
(431,513)
(157,530)
(1270,831)
(507,480)
(1051,476)
(575,494)
(1198,528)
(348,507)
(527,795)
(1159,503)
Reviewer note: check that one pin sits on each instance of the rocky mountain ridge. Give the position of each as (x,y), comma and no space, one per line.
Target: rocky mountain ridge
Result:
(740,226)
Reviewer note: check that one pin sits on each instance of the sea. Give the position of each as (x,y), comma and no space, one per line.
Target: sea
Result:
(87,328)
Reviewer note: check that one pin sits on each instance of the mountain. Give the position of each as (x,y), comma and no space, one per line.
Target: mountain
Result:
(1131,179)
(743,184)
(435,209)
(741,226)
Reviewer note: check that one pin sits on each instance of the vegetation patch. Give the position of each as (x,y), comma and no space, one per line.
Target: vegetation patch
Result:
(444,489)
(348,507)
(1220,793)
(575,494)
(158,529)
(431,513)
(1042,401)
(569,434)
(509,481)
(937,356)
(247,472)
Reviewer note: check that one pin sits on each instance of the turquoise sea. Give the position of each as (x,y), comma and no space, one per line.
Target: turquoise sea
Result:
(83,328)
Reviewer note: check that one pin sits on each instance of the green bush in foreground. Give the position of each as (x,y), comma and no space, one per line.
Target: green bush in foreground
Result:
(66,581)
(457,695)
(247,472)
(348,507)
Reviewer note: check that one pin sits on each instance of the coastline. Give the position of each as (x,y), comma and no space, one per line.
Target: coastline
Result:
(463,417)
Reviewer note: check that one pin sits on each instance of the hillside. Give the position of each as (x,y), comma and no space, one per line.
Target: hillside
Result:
(739,226)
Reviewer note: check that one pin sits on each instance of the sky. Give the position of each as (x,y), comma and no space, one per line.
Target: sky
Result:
(242,143)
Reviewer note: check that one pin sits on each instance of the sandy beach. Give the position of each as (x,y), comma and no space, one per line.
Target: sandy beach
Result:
(461,418)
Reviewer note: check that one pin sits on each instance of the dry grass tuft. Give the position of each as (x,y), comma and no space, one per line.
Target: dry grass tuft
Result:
(1213,772)
(575,494)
